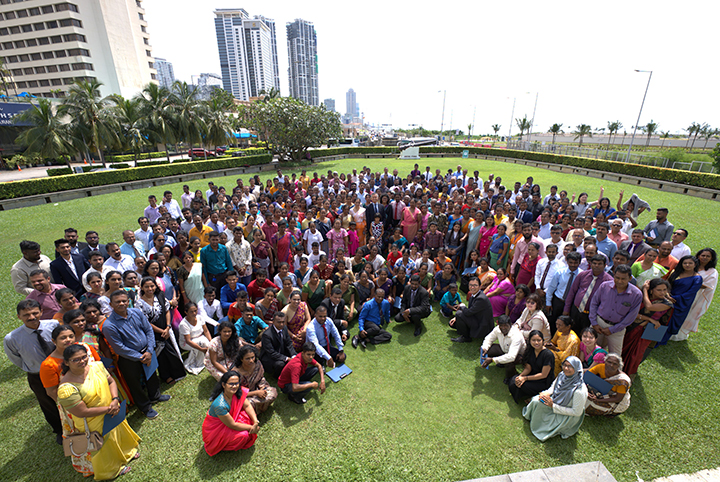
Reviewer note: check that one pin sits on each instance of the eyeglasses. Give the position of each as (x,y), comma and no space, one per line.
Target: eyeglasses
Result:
(79,359)
(232,384)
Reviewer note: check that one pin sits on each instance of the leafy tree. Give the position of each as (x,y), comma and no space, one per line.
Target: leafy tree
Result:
(698,129)
(156,104)
(613,128)
(5,76)
(217,122)
(269,95)
(715,154)
(664,136)
(523,124)
(90,116)
(555,129)
(469,129)
(649,129)
(581,131)
(189,118)
(133,124)
(48,137)
(224,100)
(496,128)
(707,133)
(691,130)
(290,126)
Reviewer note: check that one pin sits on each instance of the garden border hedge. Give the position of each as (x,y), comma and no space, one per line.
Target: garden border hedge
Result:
(699,179)
(46,185)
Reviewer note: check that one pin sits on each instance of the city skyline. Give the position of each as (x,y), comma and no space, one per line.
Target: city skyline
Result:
(584,71)
(302,61)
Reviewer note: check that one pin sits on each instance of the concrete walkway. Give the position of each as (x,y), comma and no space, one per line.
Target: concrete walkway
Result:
(702,476)
(587,472)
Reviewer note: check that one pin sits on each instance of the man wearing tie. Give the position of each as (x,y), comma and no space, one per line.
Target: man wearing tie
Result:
(415,304)
(586,284)
(321,332)
(93,244)
(67,269)
(397,207)
(277,348)
(523,213)
(558,288)
(545,269)
(335,307)
(373,208)
(27,347)
(635,246)
(475,321)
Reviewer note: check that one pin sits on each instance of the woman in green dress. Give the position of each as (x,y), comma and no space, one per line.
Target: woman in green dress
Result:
(559,410)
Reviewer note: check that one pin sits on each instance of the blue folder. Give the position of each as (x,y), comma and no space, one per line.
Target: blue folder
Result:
(654,334)
(469,271)
(483,356)
(112,421)
(149,370)
(596,382)
(338,373)
(108,362)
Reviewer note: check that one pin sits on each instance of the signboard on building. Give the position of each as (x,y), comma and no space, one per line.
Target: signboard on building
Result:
(8,110)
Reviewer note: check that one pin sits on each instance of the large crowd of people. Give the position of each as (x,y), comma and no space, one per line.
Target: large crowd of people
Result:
(275,280)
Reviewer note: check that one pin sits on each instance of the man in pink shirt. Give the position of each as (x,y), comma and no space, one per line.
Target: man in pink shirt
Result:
(44,293)
(615,234)
(522,246)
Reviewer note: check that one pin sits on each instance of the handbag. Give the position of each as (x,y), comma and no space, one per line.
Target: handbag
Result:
(80,443)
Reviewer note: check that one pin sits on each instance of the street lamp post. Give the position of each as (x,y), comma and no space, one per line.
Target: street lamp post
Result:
(442,119)
(512,114)
(627,158)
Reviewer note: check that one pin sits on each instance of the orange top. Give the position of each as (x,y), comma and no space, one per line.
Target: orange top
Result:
(51,369)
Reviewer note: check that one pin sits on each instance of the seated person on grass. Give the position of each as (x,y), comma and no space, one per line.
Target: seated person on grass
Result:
(321,332)
(451,301)
(508,350)
(250,328)
(229,292)
(295,378)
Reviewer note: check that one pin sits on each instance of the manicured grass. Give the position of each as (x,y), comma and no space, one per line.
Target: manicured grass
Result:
(414,409)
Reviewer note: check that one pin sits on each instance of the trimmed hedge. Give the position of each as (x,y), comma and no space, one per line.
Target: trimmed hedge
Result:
(131,157)
(699,179)
(30,187)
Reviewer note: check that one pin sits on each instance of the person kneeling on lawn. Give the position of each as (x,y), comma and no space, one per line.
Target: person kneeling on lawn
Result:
(451,301)
(320,332)
(295,377)
(374,313)
(508,350)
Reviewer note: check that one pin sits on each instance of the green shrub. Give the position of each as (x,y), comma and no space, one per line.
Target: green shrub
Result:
(61,171)
(30,187)
(131,157)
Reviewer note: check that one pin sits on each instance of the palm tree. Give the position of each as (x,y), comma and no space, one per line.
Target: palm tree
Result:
(157,108)
(269,95)
(188,114)
(650,129)
(613,128)
(698,129)
(523,124)
(218,123)
(469,129)
(49,137)
(90,117)
(582,131)
(5,75)
(707,133)
(496,128)
(664,136)
(555,129)
(690,130)
(133,125)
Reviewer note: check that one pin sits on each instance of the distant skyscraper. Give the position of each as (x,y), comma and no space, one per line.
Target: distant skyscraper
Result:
(329,104)
(350,102)
(248,53)
(165,72)
(302,59)
(206,84)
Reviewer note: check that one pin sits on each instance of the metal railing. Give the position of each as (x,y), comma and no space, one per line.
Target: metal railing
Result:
(608,155)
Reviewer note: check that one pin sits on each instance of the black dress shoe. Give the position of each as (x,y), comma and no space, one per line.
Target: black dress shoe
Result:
(461,339)
(355,341)
(363,342)
(418,331)
(58,439)
(506,381)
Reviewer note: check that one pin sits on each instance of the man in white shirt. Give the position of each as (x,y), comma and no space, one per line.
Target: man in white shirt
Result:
(117,260)
(31,260)
(144,234)
(555,238)
(508,350)
(186,196)
(172,205)
(96,266)
(546,268)
(680,249)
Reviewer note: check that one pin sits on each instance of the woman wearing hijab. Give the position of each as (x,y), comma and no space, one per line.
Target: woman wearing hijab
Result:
(560,410)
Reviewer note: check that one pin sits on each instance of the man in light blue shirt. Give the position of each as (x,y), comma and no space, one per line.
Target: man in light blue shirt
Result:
(131,246)
(604,244)
(373,314)
(27,347)
(130,335)
(559,287)
(320,333)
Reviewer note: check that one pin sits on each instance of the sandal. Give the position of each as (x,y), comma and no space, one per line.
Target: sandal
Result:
(124,470)
(136,456)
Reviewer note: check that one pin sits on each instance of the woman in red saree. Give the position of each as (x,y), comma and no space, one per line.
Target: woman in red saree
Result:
(282,241)
(231,423)
(527,267)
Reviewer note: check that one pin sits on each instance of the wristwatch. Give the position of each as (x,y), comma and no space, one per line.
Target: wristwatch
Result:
(116,398)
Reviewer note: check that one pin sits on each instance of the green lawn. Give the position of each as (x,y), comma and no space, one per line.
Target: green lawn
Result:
(415,409)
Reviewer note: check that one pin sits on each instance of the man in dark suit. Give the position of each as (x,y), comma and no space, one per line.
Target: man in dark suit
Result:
(68,268)
(475,321)
(277,348)
(524,213)
(336,312)
(71,235)
(372,208)
(415,304)
(635,246)
(93,244)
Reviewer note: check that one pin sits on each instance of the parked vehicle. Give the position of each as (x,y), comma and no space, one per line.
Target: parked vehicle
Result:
(200,152)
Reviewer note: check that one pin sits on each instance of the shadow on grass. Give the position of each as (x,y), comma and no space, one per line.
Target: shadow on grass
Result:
(27,402)
(205,388)
(603,429)
(11,372)
(562,450)
(489,383)
(468,351)
(674,356)
(211,467)
(40,459)
(291,413)
(639,408)
(403,333)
